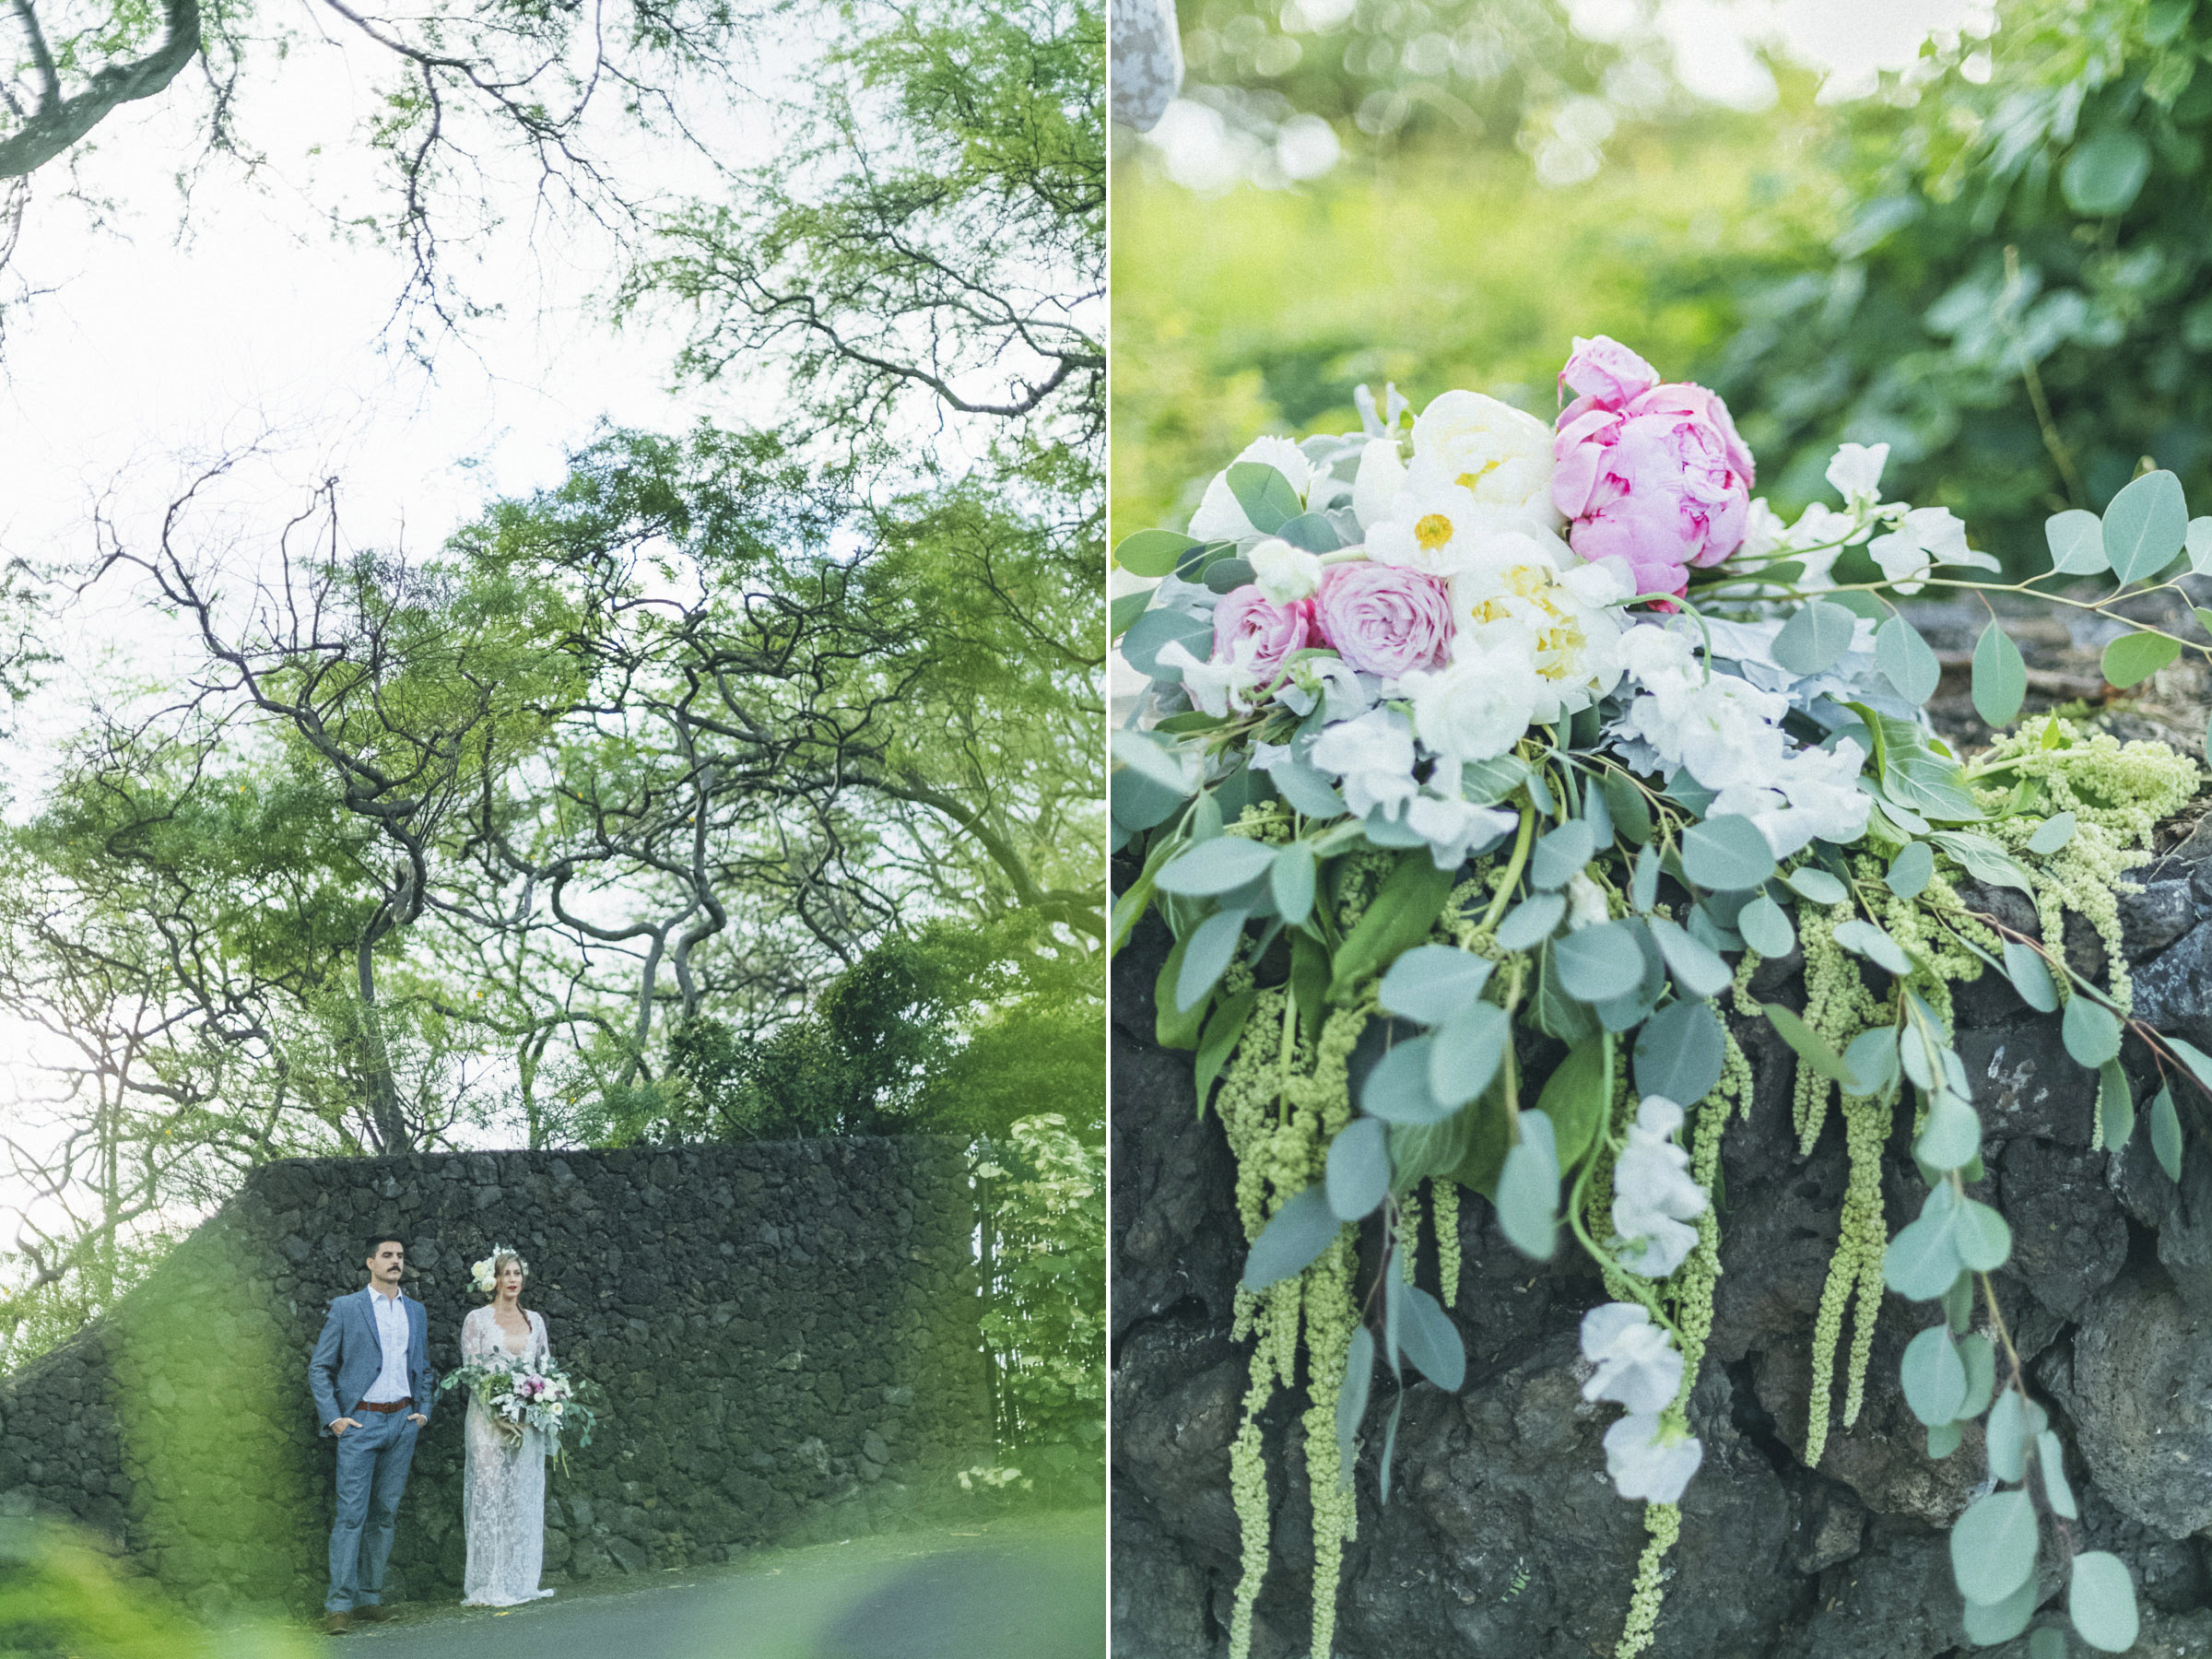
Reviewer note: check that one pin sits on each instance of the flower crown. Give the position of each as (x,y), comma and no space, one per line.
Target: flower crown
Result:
(482,1274)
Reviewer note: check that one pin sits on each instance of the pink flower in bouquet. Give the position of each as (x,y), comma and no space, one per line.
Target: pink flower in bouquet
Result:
(1252,628)
(1651,474)
(1383,619)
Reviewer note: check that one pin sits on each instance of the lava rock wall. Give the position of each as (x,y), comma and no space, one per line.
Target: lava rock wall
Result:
(1503,1536)
(785,1331)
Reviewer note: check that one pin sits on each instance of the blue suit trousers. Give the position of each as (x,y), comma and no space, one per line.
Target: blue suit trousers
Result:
(372,1473)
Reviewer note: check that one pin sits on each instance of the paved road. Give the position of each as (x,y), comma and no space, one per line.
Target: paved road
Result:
(1032,1588)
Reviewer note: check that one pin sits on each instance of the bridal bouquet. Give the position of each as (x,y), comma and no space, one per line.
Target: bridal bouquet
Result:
(521,1394)
(1480,758)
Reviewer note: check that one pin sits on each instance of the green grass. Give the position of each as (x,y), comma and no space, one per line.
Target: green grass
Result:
(1260,311)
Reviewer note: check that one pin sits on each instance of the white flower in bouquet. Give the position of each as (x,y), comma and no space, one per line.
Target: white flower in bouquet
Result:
(1924,538)
(1856,472)
(1501,455)
(1285,573)
(1372,757)
(1637,1363)
(1653,1197)
(1381,477)
(1585,903)
(1221,518)
(1650,1458)
(1430,525)
(1478,706)
(1565,612)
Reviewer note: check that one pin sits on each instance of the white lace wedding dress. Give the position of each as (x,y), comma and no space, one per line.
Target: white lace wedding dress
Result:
(502,1482)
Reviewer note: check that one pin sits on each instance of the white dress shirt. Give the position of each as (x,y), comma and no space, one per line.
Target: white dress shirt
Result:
(391,1334)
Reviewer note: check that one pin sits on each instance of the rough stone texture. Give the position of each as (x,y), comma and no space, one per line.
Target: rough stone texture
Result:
(785,1333)
(1502,1535)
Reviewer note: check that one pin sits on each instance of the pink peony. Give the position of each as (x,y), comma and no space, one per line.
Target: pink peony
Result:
(1383,619)
(1252,628)
(1654,474)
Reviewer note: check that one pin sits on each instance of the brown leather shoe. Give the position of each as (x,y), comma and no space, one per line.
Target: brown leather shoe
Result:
(336,1624)
(374,1613)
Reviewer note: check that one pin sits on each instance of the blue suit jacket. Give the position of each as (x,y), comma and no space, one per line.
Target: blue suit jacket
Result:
(349,1354)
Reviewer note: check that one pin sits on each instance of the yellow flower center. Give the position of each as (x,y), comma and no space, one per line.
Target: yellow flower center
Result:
(1432,531)
(1469,480)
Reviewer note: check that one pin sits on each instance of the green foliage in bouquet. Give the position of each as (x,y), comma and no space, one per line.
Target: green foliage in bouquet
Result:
(1458,822)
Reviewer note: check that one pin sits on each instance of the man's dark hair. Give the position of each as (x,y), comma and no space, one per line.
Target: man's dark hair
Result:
(377,1241)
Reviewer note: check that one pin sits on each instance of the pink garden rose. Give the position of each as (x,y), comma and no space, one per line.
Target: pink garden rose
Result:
(1384,619)
(1252,628)
(1652,474)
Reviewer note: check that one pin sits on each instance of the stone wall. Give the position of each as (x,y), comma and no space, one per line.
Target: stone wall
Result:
(1503,1536)
(786,1332)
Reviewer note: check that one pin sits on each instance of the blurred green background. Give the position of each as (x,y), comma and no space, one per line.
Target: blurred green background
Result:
(1990,254)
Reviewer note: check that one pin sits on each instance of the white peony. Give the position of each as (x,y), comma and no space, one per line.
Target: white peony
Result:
(1523,593)
(1476,708)
(1650,1459)
(1220,518)
(1498,453)
(1637,1362)
(1653,1197)
(1285,573)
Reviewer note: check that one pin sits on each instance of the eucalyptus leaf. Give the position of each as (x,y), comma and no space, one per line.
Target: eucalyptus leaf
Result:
(1810,1046)
(2101,1602)
(2000,677)
(2165,1133)
(1308,790)
(1397,1091)
(2194,1057)
(1224,1027)
(1359,1168)
(2115,1105)
(2198,541)
(1911,870)
(1155,630)
(1577,1097)
(1352,1398)
(1943,1438)
(1630,813)
(2104,176)
(1403,909)
(2056,832)
(1291,878)
(1267,498)
(1864,939)
(2146,524)
(1599,962)
(1465,1050)
(1292,1240)
(1979,1355)
(2047,1641)
(1560,853)
(1982,1237)
(2091,1033)
(1871,1059)
(1726,853)
(2005,1437)
(1680,1053)
(1993,1546)
(1951,1136)
(1904,656)
(2051,1464)
(1152,552)
(1431,1341)
(1432,982)
(1212,947)
(1644,887)
(2133,658)
(1531,922)
(1528,1189)
(2030,976)
(1921,1263)
(1934,1376)
(1226,575)
(1697,969)
(1390,1444)
(1221,866)
(2076,539)
(1809,881)
(1987,1626)
(1765,927)
(1814,638)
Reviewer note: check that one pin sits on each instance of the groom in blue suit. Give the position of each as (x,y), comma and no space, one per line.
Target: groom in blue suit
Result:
(372,1383)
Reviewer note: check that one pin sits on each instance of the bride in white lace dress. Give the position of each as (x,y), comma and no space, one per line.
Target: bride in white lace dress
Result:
(503,1464)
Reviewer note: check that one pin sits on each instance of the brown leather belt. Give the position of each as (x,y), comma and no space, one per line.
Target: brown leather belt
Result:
(387,1404)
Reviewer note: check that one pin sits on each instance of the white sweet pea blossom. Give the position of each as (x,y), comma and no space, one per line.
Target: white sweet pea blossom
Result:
(1585,903)
(1476,708)
(1322,677)
(1456,828)
(1653,1197)
(1923,538)
(1285,573)
(1220,518)
(1217,686)
(1502,456)
(1637,1362)
(1372,758)
(1650,1458)
(1856,472)
(1376,485)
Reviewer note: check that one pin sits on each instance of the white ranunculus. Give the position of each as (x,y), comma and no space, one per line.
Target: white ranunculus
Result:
(1372,757)
(1814,795)
(1923,538)
(1637,1362)
(1285,573)
(1856,472)
(1475,709)
(1498,452)
(1220,518)
(1653,1197)
(1376,485)
(1522,592)
(1650,1459)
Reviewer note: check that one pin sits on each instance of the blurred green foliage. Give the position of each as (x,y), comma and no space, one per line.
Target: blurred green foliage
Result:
(62,1599)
